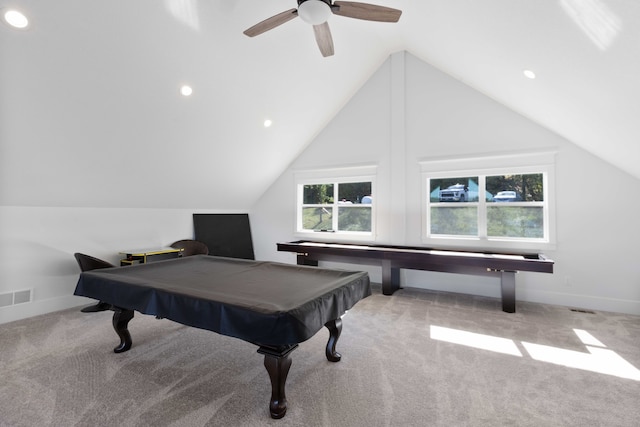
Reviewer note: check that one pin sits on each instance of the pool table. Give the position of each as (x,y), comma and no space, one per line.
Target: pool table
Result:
(272,305)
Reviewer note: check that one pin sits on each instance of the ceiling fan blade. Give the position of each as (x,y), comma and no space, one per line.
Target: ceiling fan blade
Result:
(368,12)
(271,23)
(324,39)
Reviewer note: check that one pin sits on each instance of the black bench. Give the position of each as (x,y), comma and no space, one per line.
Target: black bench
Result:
(393,258)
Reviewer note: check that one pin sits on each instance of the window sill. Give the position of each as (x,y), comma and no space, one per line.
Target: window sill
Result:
(336,236)
(506,245)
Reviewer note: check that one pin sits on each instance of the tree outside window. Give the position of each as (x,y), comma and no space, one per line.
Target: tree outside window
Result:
(500,206)
(337,207)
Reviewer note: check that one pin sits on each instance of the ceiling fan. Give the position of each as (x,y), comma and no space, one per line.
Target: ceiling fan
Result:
(316,13)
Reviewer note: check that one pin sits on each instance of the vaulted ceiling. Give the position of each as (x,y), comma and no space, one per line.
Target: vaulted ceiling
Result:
(93,87)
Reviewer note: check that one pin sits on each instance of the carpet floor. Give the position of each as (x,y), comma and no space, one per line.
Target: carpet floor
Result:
(417,358)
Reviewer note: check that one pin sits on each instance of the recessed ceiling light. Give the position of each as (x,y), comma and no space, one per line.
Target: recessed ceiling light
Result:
(15,19)
(529,74)
(267,123)
(186,90)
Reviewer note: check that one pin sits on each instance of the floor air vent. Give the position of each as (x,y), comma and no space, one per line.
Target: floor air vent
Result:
(6,299)
(15,297)
(579,310)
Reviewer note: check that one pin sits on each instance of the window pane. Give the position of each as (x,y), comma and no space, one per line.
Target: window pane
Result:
(354,191)
(317,194)
(515,188)
(316,219)
(354,218)
(503,221)
(463,189)
(458,221)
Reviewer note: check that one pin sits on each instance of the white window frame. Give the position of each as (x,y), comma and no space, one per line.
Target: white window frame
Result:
(492,165)
(365,173)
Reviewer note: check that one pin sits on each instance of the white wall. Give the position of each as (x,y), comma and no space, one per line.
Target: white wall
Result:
(406,112)
(409,112)
(37,246)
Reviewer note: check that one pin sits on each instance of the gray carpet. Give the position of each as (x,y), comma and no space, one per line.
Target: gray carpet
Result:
(398,368)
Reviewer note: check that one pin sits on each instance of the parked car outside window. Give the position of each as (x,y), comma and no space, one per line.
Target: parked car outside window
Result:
(455,193)
(507,196)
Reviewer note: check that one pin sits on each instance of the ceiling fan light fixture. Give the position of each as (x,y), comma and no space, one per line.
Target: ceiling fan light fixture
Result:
(314,12)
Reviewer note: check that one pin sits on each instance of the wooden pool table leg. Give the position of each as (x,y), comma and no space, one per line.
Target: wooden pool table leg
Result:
(335,329)
(121,318)
(277,360)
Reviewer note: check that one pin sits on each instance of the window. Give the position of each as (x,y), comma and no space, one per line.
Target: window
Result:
(508,206)
(342,204)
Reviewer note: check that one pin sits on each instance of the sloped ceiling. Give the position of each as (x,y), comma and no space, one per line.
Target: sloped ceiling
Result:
(91,115)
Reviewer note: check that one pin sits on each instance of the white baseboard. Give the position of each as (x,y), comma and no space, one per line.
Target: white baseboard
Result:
(36,308)
(590,302)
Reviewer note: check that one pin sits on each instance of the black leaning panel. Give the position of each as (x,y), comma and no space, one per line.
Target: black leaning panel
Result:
(227,235)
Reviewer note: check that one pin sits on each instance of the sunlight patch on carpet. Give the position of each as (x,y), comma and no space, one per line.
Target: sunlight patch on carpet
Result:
(597,358)
(472,339)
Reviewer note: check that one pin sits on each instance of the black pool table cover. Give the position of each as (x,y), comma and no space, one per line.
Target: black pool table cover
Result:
(265,303)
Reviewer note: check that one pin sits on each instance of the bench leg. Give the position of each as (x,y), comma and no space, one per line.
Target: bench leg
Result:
(508,285)
(302,259)
(390,278)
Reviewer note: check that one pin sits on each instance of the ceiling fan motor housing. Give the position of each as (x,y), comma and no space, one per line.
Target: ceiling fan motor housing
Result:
(328,2)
